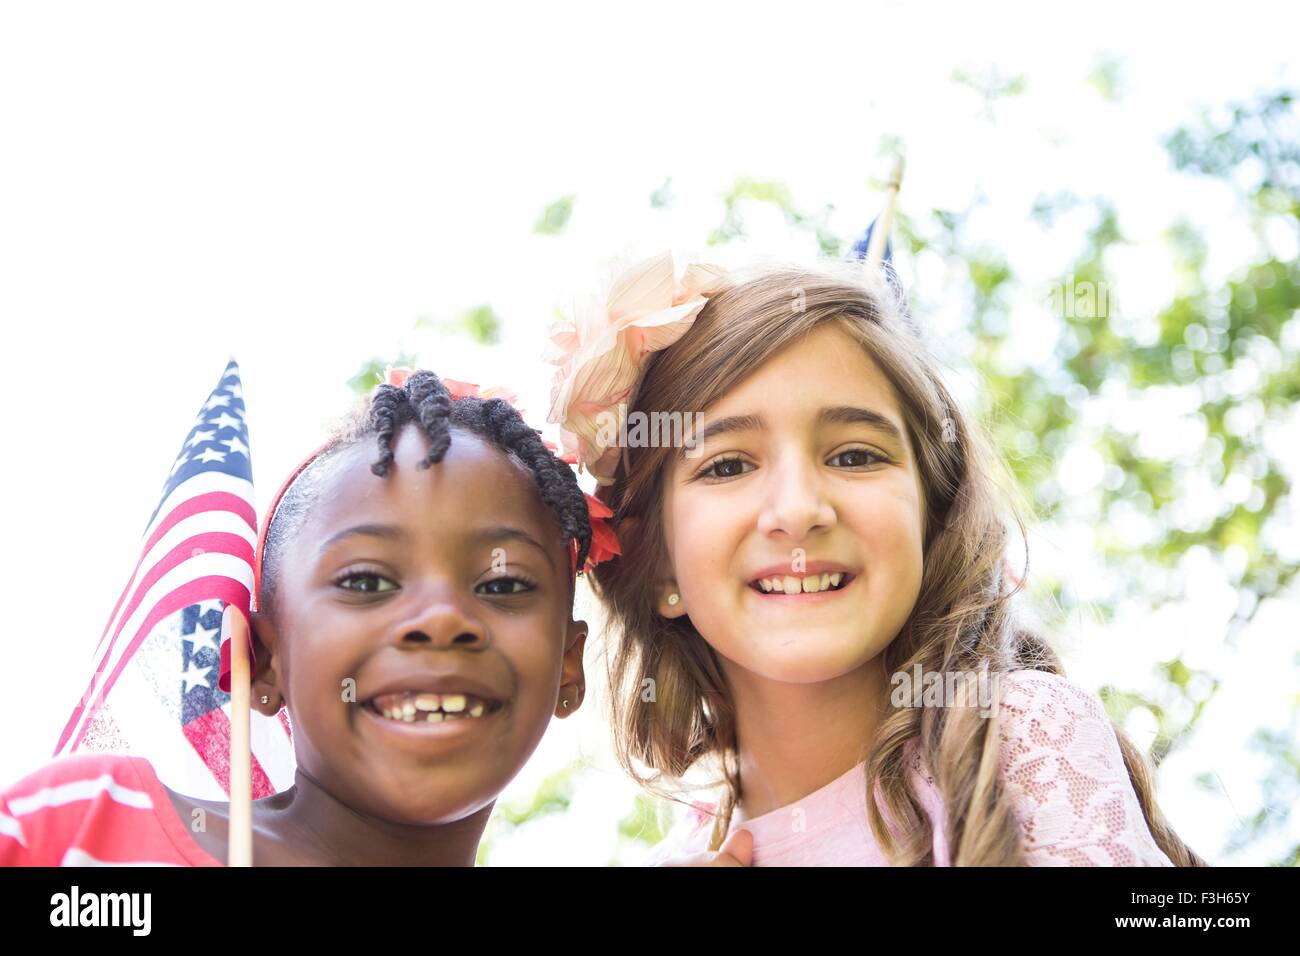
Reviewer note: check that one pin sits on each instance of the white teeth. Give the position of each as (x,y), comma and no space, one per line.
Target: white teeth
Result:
(410,716)
(810,584)
(431,708)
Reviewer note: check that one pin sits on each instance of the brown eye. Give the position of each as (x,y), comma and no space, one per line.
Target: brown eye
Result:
(722,468)
(366,583)
(864,456)
(524,586)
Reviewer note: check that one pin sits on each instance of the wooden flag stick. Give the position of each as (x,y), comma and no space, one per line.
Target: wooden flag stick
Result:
(880,234)
(235,627)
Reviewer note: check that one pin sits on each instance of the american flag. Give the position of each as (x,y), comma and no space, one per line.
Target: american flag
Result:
(858,252)
(153,688)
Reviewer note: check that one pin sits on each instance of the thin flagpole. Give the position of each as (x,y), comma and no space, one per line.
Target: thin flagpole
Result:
(234,627)
(880,234)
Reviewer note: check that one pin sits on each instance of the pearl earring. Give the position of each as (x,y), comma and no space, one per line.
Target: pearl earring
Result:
(673,598)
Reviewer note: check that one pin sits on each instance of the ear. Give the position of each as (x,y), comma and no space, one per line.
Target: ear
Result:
(266,681)
(666,605)
(573,685)
(669,599)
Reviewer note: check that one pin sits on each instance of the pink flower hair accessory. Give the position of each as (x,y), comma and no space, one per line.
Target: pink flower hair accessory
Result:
(603,349)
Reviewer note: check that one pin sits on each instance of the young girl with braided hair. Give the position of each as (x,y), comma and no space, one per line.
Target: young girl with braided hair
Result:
(414,599)
(795,574)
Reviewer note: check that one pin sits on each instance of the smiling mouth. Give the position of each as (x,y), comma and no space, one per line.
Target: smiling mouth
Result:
(791,585)
(425,707)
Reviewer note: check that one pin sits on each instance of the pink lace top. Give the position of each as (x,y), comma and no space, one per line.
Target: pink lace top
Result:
(1058,756)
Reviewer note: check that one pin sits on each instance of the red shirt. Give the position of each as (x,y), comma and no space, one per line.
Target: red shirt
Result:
(95,809)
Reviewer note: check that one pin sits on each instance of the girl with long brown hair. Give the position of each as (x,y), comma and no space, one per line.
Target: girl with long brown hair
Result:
(813,598)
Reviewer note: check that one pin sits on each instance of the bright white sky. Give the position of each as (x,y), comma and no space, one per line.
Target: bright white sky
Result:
(295,184)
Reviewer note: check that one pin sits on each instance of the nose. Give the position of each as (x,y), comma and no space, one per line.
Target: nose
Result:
(796,503)
(439,620)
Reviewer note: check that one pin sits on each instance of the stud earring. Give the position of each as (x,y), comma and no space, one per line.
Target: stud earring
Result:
(265,699)
(673,598)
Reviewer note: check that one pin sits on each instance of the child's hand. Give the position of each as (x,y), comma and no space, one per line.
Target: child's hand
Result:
(736,850)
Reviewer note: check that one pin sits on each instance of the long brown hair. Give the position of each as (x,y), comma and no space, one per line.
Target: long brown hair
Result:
(963,618)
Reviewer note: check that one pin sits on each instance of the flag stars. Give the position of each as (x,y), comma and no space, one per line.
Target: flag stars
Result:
(206,636)
(204,640)
(194,677)
(179,463)
(210,454)
(235,390)
(200,437)
(216,401)
(225,421)
(236,446)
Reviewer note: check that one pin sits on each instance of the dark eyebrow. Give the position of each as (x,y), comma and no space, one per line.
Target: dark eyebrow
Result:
(392,532)
(835,415)
(852,415)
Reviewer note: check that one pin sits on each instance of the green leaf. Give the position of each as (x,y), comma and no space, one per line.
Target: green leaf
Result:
(555,217)
(1107,78)
(372,372)
(480,323)
(662,197)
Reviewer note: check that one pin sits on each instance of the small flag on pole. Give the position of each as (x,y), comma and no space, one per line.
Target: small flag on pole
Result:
(153,688)
(859,250)
(860,253)
(874,249)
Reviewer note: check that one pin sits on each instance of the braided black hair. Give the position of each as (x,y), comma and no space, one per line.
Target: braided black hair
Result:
(425,400)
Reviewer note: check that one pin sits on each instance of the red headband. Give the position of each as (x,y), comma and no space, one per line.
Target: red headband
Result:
(604,542)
